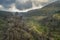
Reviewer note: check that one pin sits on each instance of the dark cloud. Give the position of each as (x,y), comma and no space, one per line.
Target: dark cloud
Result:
(25,4)
(3,2)
(6,3)
(22,4)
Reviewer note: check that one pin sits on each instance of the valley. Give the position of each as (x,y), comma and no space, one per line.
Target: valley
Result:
(39,24)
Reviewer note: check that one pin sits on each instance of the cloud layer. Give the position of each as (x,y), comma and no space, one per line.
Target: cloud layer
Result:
(18,5)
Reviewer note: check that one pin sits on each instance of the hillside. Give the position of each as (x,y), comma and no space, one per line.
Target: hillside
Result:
(3,22)
(47,10)
(48,19)
(5,13)
(39,24)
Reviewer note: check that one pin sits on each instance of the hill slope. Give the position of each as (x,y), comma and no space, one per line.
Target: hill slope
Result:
(40,24)
(47,10)
(48,19)
(3,21)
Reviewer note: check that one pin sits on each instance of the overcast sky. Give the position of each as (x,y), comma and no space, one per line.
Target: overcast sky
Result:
(18,5)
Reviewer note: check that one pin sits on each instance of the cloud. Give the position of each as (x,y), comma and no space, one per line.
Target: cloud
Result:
(22,1)
(1,7)
(23,5)
(13,8)
(6,3)
(26,4)
(18,5)
(40,0)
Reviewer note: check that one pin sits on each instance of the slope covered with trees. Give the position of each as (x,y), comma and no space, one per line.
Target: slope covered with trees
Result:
(40,24)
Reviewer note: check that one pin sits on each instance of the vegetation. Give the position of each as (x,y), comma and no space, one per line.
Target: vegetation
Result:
(40,24)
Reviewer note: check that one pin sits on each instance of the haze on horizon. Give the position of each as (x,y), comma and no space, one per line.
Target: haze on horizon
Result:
(23,5)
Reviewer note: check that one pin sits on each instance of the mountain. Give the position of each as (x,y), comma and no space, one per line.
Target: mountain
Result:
(47,10)
(13,27)
(47,19)
(39,24)
(5,13)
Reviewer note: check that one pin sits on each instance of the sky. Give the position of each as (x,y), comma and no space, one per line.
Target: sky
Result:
(23,5)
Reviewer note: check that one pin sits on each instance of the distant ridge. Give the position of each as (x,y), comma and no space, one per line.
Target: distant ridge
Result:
(47,10)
